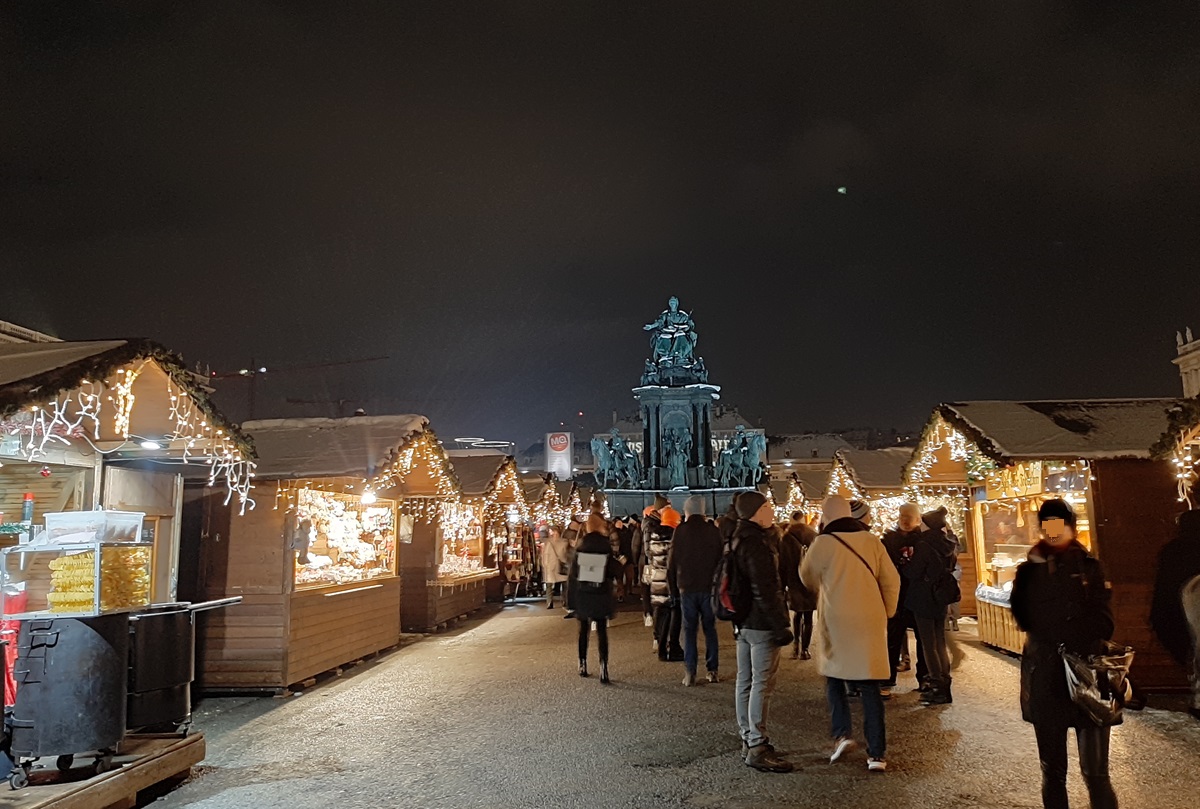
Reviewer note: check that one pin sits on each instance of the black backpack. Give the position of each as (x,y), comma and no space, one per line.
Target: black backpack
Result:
(731,596)
(945,587)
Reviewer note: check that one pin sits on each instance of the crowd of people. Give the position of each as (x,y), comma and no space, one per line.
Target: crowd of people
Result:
(834,583)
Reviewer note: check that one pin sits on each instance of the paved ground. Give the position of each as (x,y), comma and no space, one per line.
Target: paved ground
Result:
(494,715)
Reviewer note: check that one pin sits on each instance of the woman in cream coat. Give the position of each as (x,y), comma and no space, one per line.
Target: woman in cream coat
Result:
(857,590)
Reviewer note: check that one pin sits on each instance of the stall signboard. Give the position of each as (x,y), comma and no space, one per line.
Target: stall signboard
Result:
(560,451)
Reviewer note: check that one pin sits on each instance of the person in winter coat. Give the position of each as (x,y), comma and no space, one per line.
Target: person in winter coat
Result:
(764,630)
(696,550)
(1176,588)
(1061,598)
(727,522)
(899,543)
(660,525)
(592,600)
(556,564)
(625,531)
(796,541)
(934,556)
(857,589)
(572,535)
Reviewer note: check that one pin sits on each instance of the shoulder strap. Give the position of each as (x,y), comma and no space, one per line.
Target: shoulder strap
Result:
(867,564)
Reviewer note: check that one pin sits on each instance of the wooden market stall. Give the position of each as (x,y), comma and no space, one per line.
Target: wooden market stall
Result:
(1116,460)
(875,476)
(495,508)
(444,568)
(115,425)
(316,561)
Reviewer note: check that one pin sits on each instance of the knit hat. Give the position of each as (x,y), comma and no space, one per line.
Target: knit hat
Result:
(860,511)
(669,517)
(748,504)
(1057,510)
(834,508)
(694,505)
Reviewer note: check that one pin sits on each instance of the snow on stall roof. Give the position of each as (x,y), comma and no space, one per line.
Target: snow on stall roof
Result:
(1084,428)
(813,478)
(878,468)
(476,468)
(20,361)
(305,448)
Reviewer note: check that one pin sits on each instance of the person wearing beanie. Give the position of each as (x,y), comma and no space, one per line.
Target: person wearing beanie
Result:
(764,630)
(857,589)
(860,511)
(931,589)
(1175,610)
(1060,598)
(795,543)
(696,549)
(664,615)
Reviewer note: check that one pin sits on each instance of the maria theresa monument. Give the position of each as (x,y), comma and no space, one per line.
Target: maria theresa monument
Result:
(677,449)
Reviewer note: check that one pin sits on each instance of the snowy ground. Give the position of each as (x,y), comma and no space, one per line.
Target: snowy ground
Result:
(495,715)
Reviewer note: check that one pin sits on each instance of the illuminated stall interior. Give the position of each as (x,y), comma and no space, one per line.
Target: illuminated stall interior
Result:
(1117,461)
(499,534)
(317,561)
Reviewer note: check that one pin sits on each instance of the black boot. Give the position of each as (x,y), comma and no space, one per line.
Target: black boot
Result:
(583,667)
(604,672)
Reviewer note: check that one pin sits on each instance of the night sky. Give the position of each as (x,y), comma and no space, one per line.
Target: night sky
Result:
(498,195)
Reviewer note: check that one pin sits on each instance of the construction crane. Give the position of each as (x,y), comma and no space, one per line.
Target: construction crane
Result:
(255,371)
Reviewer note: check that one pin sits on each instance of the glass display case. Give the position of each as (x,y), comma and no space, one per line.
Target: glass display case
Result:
(339,539)
(81,579)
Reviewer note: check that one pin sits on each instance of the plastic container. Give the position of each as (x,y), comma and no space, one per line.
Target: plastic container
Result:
(71,527)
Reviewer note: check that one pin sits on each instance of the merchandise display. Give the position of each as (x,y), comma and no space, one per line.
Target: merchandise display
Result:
(339,539)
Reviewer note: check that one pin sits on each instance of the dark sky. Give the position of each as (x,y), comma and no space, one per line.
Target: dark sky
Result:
(498,195)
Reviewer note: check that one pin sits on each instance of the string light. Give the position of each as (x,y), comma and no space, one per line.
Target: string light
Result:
(77,415)
(1185,459)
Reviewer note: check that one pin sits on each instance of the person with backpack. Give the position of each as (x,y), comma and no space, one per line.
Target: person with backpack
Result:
(931,589)
(857,589)
(695,553)
(593,572)
(1061,600)
(796,541)
(760,622)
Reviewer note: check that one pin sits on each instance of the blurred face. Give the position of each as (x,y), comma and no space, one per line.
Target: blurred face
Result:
(1056,532)
(909,520)
(765,516)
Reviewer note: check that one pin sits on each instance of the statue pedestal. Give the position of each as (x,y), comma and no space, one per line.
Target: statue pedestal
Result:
(686,408)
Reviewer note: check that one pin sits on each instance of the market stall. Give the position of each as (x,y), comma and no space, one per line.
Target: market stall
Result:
(444,567)
(1122,463)
(316,563)
(494,509)
(875,476)
(96,439)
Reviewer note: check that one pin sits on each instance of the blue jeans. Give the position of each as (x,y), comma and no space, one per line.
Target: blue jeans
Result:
(758,662)
(698,606)
(839,705)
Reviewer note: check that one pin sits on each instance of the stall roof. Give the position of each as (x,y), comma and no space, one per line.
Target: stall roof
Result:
(476,469)
(358,446)
(877,468)
(31,373)
(813,478)
(1087,429)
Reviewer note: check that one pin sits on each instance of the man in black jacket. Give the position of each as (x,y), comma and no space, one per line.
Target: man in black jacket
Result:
(900,542)
(764,630)
(691,563)
(1176,588)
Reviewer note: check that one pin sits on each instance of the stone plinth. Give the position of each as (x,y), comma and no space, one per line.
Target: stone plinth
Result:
(677,408)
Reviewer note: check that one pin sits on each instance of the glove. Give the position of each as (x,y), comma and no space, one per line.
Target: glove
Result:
(784,637)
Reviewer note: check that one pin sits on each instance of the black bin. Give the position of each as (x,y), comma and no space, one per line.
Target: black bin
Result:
(162,665)
(71,685)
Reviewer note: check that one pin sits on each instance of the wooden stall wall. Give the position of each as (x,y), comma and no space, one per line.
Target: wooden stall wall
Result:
(1135,508)
(243,646)
(330,626)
